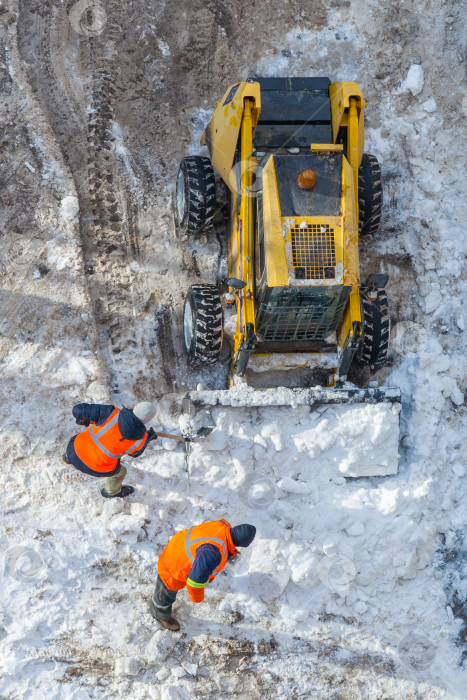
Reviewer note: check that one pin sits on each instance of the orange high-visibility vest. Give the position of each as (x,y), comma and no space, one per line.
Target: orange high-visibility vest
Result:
(101,446)
(179,555)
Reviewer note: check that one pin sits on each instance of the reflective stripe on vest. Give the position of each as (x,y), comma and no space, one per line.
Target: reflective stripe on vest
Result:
(206,540)
(194,584)
(102,431)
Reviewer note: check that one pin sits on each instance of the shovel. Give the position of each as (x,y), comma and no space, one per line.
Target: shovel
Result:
(195,431)
(201,433)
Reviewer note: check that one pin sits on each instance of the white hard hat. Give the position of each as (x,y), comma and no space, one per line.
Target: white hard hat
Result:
(145,411)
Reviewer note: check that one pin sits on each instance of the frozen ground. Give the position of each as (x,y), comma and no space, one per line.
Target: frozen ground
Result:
(354,589)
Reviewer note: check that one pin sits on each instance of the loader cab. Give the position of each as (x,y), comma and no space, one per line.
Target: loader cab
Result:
(294,113)
(300,295)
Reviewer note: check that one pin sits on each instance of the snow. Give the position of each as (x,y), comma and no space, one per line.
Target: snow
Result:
(414,81)
(456,396)
(342,590)
(127,665)
(69,208)
(430,105)
(429,179)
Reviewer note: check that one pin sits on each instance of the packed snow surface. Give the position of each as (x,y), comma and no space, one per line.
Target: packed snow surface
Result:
(354,587)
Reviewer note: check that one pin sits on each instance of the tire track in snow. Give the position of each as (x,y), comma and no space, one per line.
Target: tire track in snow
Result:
(109,235)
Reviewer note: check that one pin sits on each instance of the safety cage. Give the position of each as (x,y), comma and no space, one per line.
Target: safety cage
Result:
(288,314)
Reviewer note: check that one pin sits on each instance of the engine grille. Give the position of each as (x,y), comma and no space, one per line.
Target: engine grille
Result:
(313,252)
(279,323)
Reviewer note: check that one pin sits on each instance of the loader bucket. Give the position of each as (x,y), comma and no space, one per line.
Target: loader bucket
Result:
(365,422)
(243,395)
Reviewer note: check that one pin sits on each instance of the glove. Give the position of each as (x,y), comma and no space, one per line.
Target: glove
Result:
(82,421)
(152,435)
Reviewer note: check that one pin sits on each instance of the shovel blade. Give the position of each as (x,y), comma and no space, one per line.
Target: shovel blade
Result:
(197,426)
(203,432)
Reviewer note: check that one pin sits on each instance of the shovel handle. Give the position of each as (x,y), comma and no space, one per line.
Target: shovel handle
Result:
(171,437)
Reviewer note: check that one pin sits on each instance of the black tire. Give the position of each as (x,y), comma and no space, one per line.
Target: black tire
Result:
(370,195)
(195,198)
(376,326)
(202,324)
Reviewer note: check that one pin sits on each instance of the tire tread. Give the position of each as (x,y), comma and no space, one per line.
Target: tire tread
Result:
(376,328)
(207,328)
(370,195)
(200,196)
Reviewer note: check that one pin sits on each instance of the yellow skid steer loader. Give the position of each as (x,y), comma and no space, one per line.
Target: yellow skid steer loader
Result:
(302,191)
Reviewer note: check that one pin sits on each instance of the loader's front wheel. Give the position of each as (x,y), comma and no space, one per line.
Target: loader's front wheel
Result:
(202,324)
(376,327)
(195,199)
(370,195)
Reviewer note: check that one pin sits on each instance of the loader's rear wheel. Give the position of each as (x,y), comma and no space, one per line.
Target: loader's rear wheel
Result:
(202,324)
(195,199)
(370,195)
(376,327)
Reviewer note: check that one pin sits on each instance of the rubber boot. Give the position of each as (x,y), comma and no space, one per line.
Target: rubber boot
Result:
(126,491)
(170,624)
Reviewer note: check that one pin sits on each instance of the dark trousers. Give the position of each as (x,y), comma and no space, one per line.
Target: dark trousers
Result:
(162,601)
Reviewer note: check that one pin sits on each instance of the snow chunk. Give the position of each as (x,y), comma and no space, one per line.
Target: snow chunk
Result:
(361,607)
(267,585)
(163,674)
(164,48)
(458,469)
(139,510)
(191,669)
(112,506)
(74,373)
(303,564)
(218,441)
(330,544)
(356,529)
(292,486)
(290,612)
(274,433)
(370,437)
(429,105)
(160,646)
(127,666)
(261,581)
(69,207)
(457,397)
(429,179)
(178,671)
(432,301)
(97,392)
(126,526)
(414,81)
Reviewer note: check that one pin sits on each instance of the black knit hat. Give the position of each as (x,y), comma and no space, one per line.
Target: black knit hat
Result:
(243,535)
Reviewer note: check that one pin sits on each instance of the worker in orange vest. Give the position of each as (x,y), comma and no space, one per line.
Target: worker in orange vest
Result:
(110,434)
(193,558)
